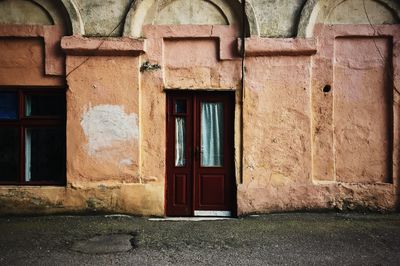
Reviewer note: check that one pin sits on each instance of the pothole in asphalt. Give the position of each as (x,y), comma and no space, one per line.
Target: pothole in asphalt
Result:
(105,244)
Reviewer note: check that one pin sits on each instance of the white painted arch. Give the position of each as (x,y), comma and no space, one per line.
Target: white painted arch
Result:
(74,16)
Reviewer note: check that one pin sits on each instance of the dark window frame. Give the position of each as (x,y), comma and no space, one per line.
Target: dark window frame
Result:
(23,122)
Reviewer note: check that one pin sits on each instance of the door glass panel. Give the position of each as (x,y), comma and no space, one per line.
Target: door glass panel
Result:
(180,141)
(212,132)
(180,107)
(8,105)
(9,155)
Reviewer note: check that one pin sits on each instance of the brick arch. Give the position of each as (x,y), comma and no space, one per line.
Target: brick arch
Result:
(138,16)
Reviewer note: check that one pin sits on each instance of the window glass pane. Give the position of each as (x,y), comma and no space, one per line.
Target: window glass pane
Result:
(45,154)
(8,105)
(212,132)
(9,154)
(180,107)
(180,141)
(45,105)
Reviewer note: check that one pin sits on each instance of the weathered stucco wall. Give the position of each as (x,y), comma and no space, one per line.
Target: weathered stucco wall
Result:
(104,128)
(102,18)
(347,12)
(105,110)
(320,114)
(102,135)
(276,133)
(267,18)
(362,110)
(278,18)
(351,153)
(200,70)
(39,12)
(21,63)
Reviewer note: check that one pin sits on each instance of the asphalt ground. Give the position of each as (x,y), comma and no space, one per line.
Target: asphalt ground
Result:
(274,239)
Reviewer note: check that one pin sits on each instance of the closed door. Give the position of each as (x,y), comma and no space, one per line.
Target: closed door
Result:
(200,176)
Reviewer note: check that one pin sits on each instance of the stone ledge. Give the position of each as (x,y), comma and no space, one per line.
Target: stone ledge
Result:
(276,47)
(77,45)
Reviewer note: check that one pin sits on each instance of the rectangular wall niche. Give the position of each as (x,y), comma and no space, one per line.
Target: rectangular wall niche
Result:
(363,114)
(191,63)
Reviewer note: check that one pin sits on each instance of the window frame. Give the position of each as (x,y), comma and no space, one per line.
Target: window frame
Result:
(23,122)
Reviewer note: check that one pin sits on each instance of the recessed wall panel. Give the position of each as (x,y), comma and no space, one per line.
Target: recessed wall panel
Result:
(362,109)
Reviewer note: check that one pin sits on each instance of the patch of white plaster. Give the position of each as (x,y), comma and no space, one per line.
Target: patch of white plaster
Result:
(104,124)
(126,162)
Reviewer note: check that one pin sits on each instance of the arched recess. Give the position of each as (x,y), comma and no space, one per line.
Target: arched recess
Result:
(63,13)
(347,12)
(198,12)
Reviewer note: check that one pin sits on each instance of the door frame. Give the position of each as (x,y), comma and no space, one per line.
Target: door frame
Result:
(229,98)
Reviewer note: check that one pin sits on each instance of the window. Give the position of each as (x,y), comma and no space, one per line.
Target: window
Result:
(32,136)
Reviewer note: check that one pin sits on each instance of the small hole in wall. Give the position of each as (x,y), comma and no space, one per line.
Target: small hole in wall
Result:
(327,88)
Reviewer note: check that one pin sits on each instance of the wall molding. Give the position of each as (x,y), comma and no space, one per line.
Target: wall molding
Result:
(278,47)
(77,45)
(54,59)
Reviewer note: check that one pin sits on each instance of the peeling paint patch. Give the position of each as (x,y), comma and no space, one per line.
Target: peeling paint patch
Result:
(104,124)
(126,162)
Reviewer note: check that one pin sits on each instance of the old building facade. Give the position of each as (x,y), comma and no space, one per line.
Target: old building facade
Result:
(200,107)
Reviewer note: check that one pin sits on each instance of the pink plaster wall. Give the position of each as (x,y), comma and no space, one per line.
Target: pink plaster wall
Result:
(195,64)
(102,129)
(50,35)
(277,157)
(22,63)
(303,148)
(362,109)
(306,149)
(102,93)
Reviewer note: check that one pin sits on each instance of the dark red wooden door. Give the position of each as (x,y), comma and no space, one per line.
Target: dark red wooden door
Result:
(200,176)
